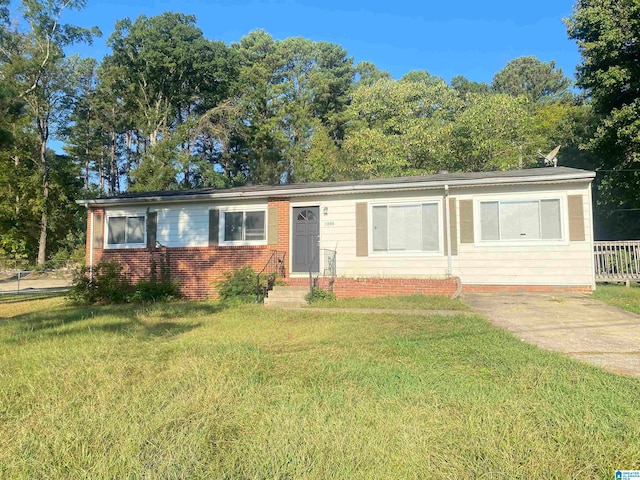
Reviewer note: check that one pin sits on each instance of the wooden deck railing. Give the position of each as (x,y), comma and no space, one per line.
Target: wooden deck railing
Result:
(617,261)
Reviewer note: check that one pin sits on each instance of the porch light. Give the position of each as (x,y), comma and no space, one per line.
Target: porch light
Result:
(325,211)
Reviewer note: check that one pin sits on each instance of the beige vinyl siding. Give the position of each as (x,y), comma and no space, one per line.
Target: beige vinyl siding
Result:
(554,263)
(337,232)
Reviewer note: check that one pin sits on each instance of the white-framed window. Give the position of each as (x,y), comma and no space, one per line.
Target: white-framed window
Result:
(521,220)
(243,227)
(406,227)
(126,230)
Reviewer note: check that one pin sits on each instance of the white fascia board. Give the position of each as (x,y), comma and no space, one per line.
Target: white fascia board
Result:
(332,190)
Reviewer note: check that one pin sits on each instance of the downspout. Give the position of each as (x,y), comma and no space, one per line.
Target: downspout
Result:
(447,215)
(592,235)
(90,244)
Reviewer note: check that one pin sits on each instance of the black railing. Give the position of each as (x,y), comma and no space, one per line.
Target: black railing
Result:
(326,266)
(274,268)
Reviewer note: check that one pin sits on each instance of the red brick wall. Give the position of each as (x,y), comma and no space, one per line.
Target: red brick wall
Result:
(97,249)
(197,269)
(283,228)
(380,287)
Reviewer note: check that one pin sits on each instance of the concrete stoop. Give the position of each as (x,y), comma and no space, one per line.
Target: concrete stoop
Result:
(285,296)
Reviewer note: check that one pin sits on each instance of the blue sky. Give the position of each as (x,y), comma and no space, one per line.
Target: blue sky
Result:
(464,37)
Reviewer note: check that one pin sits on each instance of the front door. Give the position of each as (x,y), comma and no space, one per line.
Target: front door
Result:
(306,239)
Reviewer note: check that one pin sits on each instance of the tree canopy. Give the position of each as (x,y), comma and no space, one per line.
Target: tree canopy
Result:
(168,108)
(607,33)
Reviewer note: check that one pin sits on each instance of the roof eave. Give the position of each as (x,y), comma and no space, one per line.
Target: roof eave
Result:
(329,189)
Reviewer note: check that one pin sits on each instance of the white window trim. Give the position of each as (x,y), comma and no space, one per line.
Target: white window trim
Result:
(121,214)
(401,203)
(522,197)
(242,208)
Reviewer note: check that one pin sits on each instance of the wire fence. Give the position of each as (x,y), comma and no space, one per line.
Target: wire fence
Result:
(26,281)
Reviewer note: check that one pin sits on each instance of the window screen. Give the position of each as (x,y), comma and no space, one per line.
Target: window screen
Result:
(117,227)
(244,226)
(551,228)
(233,226)
(405,228)
(125,230)
(430,231)
(135,230)
(254,226)
(379,234)
(521,220)
(490,220)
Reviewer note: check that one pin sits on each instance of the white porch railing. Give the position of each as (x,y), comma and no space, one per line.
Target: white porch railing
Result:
(617,261)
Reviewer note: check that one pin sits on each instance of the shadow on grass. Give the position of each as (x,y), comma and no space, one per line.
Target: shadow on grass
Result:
(143,320)
(9,298)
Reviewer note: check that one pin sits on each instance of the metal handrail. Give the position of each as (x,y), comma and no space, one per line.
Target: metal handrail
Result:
(273,267)
(328,268)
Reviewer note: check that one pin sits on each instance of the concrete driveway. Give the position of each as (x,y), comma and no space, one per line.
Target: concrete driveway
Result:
(575,324)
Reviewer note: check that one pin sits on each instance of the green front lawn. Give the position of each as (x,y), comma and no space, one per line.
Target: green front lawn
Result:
(619,296)
(411,302)
(192,390)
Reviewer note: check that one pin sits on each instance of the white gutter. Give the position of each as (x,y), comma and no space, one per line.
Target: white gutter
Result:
(337,189)
(448,222)
(593,259)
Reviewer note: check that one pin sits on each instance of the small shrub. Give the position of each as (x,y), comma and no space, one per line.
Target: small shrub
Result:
(156,291)
(241,285)
(108,285)
(319,294)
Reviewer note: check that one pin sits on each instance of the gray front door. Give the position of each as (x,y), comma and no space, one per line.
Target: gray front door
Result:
(306,236)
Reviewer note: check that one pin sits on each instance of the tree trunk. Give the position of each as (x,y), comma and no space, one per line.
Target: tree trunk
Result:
(129,149)
(113,167)
(42,244)
(16,162)
(102,173)
(86,168)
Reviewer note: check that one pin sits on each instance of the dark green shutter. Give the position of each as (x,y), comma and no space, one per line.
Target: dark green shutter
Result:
(98,230)
(152,228)
(214,224)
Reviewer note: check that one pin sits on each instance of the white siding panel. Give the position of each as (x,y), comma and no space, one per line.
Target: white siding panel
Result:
(183,227)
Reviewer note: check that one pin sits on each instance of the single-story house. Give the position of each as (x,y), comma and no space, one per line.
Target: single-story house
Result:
(521,229)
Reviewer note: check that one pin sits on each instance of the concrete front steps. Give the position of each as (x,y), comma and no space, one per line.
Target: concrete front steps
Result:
(285,296)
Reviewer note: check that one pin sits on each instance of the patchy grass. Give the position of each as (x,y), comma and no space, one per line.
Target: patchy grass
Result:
(192,390)
(620,296)
(411,302)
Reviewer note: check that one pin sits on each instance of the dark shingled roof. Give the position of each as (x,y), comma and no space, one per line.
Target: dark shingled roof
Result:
(459,179)
(439,177)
